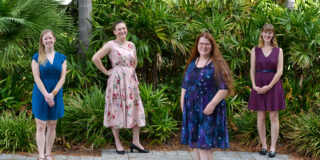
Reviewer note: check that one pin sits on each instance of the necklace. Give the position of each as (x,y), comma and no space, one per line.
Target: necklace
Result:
(204,64)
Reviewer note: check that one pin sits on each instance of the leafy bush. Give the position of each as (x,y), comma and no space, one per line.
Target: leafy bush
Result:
(305,134)
(160,124)
(14,92)
(83,120)
(244,127)
(17,133)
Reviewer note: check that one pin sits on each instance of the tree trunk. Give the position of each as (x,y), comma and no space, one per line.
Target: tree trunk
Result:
(290,4)
(85,27)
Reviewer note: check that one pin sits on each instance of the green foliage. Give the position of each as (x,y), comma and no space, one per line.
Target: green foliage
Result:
(21,22)
(305,134)
(17,132)
(244,128)
(83,120)
(161,126)
(14,92)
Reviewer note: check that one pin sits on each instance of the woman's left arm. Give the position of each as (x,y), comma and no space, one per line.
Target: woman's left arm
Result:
(62,78)
(221,94)
(278,74)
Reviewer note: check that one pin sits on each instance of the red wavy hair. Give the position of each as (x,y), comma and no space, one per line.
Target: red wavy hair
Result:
(222,70)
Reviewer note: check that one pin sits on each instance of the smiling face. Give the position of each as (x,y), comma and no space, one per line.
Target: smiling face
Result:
(120,31)
(267,35)
(204,47)
(48,40)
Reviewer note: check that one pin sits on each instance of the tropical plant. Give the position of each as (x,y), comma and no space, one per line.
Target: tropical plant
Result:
(244,128)
(15,92)
(83,120)
(161,126)
(305,134)
(17,132)
(21,22)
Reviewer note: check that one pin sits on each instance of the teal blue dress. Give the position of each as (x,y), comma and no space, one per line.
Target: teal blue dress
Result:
(49,75)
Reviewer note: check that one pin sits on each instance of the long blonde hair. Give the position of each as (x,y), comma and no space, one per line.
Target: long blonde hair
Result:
(265,28)
(42,52)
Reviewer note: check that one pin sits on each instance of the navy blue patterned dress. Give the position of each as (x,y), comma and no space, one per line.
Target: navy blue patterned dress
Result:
(199,130)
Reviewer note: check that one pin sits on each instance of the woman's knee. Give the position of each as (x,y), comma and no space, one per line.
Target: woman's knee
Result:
(261,116)
(52,124)
(274,118)
(41,125)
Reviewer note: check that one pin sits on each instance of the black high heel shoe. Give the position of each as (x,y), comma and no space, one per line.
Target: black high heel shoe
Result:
(133,146)
(120,152)
(272,154)
(263,152)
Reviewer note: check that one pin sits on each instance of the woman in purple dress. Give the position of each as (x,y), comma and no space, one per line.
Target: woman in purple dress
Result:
(207,81)
(267,92)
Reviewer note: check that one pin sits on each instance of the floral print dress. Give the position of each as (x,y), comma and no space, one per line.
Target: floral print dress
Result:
(199,130)
(123,105)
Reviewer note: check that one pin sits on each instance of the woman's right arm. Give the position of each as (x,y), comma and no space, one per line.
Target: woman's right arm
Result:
(36,77)
(183,91)
(253,69)
(96,59)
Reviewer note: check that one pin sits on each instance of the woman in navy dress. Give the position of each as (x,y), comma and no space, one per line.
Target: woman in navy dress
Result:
(207,81)
(267,93)
(49,71)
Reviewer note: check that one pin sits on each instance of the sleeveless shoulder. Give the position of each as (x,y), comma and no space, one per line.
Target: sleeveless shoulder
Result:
(35,57)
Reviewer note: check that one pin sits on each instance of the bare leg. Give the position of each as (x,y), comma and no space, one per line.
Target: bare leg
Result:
(40,136)
(261,125)
(136,139)
(196,155)
(274,118)
(206,154)
(51,135)
(115,133)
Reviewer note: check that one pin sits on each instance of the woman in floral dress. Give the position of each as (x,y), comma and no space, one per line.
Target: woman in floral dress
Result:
(123,105)
(207,81)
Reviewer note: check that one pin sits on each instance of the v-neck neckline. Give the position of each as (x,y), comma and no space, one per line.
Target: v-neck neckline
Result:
(269,53)
(54,57)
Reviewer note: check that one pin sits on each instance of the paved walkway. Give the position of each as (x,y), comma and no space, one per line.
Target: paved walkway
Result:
(110,154)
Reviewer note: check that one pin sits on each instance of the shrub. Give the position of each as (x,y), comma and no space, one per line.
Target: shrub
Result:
(244,127)
(83,120)
(160,123)
(305,134)
(17,133)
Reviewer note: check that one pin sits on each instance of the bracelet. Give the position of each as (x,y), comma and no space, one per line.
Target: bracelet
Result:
(54,92)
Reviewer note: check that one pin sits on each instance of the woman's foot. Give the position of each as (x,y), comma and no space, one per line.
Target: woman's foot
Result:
(119,149)
(272,154)
(263,152)
(139,148)
(49,157)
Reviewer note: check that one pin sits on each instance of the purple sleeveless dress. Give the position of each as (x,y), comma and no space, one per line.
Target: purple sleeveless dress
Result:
(266,68)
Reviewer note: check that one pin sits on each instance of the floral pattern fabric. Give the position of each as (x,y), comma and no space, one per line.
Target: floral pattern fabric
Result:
(123,105)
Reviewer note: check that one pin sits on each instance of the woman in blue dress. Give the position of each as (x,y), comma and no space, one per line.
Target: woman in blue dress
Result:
(49,71)
(207,81)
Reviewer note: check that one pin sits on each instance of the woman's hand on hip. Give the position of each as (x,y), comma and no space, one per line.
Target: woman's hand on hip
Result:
(209,109)
(109,72)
